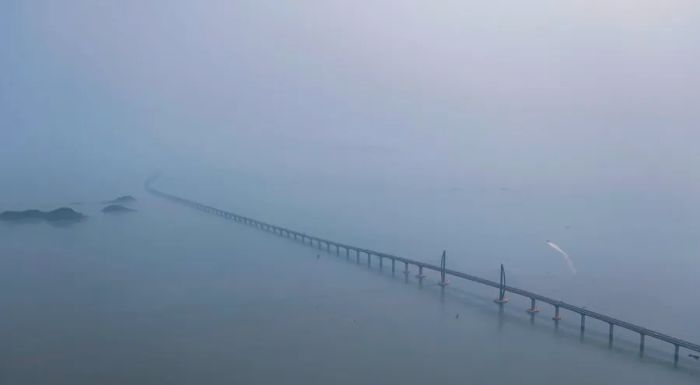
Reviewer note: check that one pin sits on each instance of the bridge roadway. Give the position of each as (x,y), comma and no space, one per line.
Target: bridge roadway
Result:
(534,297)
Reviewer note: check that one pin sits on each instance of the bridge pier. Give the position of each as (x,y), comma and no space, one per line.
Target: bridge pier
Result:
(381,262)
(405,269)
(675,354)
(641,344)
(357,255)
(610,334)
(583,322)
(533,307)
(369,260)
(347,253)
(337,250)
(420,274)
(556,317)
(393,265)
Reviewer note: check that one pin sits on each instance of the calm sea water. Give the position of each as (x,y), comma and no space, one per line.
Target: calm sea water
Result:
(172,296)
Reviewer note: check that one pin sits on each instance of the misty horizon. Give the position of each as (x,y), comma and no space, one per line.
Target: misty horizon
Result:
(556,138)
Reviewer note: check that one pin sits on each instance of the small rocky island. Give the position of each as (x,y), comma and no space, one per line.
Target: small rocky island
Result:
(63,214)
(121,200)
(116,209)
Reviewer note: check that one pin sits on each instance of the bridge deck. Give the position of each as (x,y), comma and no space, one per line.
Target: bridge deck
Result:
(525,293)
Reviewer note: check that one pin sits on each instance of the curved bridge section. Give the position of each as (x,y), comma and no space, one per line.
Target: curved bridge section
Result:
(421,267)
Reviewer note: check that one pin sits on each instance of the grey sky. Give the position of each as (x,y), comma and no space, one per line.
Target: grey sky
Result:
(543,93)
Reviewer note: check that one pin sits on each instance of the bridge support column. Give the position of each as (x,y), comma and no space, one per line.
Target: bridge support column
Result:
(641,344)
(556,317)
(393,265)
(328,246)
(381,262)
(369,260)
(420,274)
(337,250)
(610,334)
(405,268)
(583,322)
(675,355)
(533,307)
(347,253)
(357,255)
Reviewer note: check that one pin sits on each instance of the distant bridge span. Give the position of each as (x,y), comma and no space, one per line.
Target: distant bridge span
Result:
(503,288)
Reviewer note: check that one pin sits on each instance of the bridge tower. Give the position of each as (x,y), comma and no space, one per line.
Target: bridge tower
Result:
(443,269)
(502,288)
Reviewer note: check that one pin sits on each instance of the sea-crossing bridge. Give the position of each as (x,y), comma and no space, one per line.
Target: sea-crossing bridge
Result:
(422,267)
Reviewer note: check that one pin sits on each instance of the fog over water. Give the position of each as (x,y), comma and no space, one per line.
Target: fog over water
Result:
(482,128)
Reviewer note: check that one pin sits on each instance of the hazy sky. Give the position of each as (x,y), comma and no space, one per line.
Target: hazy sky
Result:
(579,94)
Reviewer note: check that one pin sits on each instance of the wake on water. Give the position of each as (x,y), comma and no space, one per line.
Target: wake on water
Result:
(567,258)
